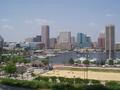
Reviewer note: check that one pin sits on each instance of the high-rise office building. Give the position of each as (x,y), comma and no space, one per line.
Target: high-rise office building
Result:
(73,41)
(1,43)
(37,38)
(64,40)
(110,41)
(64,37)
(83,41)
(88,42)
(94,45)
(53,42)
(101,41)
(45,35)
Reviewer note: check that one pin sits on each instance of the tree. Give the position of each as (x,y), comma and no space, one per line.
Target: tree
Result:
(26,51)
(78,62)
(4,58)
(19,59)
(118,62)
(10,68)
(110,62)
(45,61)
(71,61)
(86,62)
(93,62)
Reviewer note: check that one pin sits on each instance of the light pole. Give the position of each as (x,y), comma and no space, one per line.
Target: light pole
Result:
(87,63)
(74,79)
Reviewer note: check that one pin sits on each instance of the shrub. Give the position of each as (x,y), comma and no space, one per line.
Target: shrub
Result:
(85,81)
(24,83)
(78,87)
(95,82)
(65,84)
(63,87)
(78,81)
(67,80)
(113,85)
(71,61)
(40,78)
(94,87)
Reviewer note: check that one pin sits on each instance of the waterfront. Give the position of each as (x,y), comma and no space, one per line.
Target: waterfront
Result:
(64,57)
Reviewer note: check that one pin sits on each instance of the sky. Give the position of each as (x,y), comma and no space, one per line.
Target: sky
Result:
(20,19)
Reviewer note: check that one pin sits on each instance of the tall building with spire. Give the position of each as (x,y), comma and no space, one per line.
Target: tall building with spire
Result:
(45,35)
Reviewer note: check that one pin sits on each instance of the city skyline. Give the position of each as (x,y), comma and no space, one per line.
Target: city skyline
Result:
(22,19)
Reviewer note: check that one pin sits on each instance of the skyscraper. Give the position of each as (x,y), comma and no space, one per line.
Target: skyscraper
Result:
(45,35)
(53,42)
(101,41)
(110,41)
(73,41)
(83,40)
(64,40)
(94,45)
(65,37)
(37,38)
(1,43)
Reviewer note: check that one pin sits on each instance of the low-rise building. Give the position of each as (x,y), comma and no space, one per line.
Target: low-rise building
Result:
(117,46)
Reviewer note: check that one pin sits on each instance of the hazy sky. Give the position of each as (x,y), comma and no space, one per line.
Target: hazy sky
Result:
(23,18)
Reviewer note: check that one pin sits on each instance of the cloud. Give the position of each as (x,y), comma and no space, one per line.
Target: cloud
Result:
(110,15)
(28,21)
(92,24)
(6,26)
